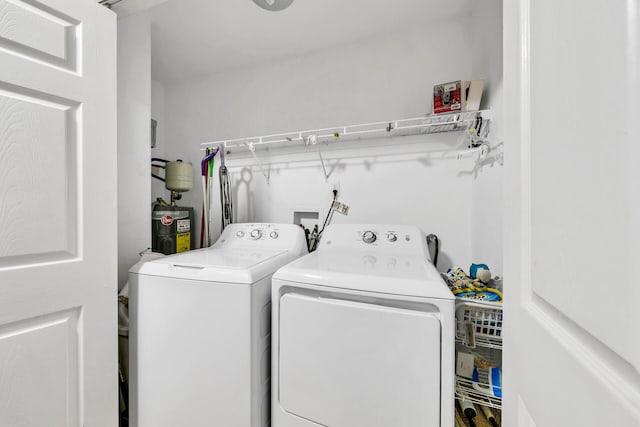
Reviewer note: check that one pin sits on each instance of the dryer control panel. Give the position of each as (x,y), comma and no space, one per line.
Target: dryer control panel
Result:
(262,235)
(375,238)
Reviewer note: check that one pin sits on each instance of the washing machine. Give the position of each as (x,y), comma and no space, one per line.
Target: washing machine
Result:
(363,333)
(200,325)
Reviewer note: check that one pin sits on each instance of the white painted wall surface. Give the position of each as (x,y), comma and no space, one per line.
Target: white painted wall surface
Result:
(134,115)
(127,8)
(487,218)
(157,113)
(377,79)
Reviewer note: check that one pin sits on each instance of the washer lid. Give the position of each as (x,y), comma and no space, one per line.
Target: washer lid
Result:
(368,271)
(229,265)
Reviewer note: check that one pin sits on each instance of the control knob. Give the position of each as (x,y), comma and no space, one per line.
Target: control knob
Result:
(256,234)
(392,237)
(274,234)
(240,234)
(368,237)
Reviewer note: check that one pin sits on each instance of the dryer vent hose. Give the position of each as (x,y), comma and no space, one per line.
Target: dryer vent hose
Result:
(433,243)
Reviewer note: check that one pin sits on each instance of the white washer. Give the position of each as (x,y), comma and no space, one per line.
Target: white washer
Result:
(200,330)
(363,333)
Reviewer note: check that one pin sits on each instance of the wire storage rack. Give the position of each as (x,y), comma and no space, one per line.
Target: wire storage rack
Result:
(479,334)
(475,124)
(473,127)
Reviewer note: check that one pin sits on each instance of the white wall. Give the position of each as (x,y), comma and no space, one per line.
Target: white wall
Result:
(134,97)
(487,220)
(388,181)
(160,150)
(127,8)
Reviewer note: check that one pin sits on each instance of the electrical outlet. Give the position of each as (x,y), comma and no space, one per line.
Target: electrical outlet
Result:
(335,185)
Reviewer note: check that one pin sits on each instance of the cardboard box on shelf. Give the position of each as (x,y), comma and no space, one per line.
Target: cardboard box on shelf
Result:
(459,95)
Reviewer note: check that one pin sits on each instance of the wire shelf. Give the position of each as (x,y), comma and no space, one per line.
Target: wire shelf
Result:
(466,391)
(479,391)
(473,122)
(474,127)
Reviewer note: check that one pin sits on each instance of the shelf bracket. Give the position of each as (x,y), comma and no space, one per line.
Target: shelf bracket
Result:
(327,173)
(324,168)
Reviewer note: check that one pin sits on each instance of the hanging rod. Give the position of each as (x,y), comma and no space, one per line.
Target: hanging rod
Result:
(426,124)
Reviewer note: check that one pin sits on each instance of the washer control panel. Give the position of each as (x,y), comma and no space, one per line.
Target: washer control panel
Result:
(369,236)
(257,233)
(262,235)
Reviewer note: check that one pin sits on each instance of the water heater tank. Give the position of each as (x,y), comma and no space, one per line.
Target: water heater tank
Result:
(179,176)
(172,229)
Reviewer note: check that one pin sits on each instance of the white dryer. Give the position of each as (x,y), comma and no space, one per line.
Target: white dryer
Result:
(363,333)
(200,330)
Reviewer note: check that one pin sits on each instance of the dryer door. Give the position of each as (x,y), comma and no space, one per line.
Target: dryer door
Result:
(351,364)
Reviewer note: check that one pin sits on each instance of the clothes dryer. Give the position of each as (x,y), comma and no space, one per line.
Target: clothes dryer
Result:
(363,333)
(200,330)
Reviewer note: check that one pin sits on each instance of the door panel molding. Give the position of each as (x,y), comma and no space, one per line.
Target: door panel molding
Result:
(614,373)
(39,144)
(59,48)
(44,352)
(618,376)
(579,145)
(58,214)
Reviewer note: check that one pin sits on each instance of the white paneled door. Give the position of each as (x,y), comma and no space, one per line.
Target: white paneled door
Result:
(572,344)
(58,357)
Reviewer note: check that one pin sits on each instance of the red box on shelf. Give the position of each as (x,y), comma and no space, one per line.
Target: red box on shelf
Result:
(459,95)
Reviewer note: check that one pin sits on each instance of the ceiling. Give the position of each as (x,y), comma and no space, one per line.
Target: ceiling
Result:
(192,38)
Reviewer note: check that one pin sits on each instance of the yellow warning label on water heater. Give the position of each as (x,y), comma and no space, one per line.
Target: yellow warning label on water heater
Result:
(183,242)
